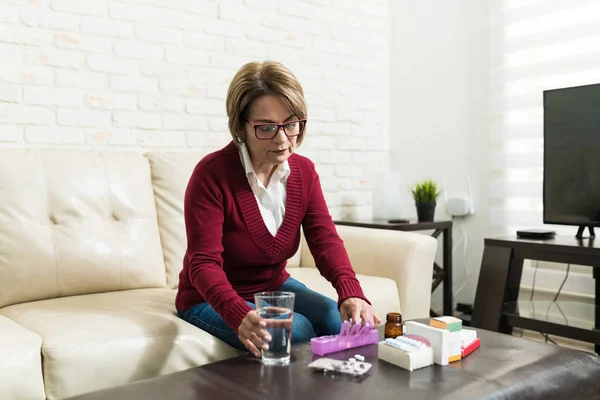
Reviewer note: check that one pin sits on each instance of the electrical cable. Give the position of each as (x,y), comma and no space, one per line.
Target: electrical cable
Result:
(465,240)
(556,298)
(531,304)
(563,314)
(456,244)
(548,339)
(563,283)
(537,264)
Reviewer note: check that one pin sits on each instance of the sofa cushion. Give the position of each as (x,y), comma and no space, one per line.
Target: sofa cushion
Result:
(101,340)
(294,262)
(20,362)
(404,257)
(381,292)
(170,175)
(75,222)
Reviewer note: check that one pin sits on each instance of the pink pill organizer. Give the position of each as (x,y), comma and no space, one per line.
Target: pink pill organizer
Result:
(350,336)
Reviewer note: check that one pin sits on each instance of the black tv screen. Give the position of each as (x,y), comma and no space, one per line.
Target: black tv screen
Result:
(572,156)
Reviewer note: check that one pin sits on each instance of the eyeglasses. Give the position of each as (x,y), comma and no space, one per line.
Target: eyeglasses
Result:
(267,131)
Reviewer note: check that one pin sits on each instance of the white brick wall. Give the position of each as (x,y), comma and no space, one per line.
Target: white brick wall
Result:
(152,74)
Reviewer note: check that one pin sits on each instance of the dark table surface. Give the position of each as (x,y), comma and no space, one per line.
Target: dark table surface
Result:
(559,243)
(505,367)
(409,225)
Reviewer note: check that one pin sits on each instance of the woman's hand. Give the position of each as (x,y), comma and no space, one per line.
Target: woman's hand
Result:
(252,333)
(356,308)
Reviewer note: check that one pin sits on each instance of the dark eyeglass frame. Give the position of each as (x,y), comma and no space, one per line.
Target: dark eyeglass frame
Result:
(279,127)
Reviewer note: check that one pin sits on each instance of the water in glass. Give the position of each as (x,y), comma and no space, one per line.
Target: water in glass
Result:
(277,310)
(279,326)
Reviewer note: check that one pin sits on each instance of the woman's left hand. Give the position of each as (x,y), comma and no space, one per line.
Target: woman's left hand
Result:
(356,309)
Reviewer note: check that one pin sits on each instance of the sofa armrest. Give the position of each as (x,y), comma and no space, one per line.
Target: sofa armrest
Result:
(20,362)
(405,257)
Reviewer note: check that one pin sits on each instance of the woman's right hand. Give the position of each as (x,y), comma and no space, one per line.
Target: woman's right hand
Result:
(252,333)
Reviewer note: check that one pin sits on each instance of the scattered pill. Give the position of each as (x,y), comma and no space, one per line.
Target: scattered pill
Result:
(359,357)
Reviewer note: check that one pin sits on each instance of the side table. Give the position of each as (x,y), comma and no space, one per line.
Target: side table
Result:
(440,275)
(496,305)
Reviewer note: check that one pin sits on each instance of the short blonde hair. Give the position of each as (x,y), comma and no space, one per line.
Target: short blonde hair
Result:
(255,80)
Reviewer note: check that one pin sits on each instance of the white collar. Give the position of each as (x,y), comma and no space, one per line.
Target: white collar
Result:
(282,171)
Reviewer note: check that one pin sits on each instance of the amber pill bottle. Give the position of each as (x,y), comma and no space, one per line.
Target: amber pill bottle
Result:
(393,325)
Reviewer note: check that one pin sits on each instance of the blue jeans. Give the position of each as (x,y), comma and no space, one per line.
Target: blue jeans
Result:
(314,315)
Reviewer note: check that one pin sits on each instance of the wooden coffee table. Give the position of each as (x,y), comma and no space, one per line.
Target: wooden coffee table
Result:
(505,367)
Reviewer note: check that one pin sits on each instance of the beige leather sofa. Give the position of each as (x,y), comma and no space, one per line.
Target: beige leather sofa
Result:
(91,244)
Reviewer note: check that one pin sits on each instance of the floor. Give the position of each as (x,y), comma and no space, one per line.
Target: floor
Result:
(559,341)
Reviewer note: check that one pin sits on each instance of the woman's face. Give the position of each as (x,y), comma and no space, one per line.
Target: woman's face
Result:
(270,109)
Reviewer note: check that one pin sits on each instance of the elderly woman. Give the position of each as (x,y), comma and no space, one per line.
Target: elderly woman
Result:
(244,207)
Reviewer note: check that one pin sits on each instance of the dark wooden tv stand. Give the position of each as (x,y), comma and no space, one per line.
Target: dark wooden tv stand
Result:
(581,229)
(496,302)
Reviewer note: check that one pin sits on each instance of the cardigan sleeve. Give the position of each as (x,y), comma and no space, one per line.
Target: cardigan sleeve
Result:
(325,245)
(204,217)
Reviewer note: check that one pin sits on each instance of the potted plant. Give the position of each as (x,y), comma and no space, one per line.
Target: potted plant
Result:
(425,195)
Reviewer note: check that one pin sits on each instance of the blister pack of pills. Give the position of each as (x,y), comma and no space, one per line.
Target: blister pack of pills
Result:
(351,367)
(408,352)
(407,343)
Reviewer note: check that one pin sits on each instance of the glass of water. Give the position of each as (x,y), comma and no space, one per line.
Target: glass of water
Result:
(277,310)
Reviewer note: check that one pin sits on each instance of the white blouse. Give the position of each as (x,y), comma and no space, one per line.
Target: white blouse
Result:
(271,200)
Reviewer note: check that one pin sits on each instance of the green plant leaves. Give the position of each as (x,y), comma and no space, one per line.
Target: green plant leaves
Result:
(425,192)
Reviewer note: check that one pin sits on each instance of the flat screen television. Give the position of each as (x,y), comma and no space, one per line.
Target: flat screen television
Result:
(571,188)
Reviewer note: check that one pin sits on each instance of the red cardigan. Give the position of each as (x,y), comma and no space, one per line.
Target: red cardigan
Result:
(230,252)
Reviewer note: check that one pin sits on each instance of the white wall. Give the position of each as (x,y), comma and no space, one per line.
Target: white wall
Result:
(152,74)
(439,113)
(466,78)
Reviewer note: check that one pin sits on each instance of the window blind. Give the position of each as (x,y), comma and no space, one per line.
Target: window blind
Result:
(534,45)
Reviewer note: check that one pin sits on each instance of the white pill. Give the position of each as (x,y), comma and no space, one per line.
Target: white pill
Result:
(359,357)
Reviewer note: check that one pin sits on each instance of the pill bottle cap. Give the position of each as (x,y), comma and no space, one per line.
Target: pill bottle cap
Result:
(394,317)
